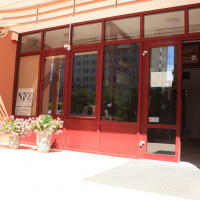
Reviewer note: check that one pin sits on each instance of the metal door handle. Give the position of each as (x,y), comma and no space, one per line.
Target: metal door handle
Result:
(141,143)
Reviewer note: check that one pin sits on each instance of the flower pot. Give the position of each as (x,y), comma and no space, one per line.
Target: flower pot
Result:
(43,142)
(14,141)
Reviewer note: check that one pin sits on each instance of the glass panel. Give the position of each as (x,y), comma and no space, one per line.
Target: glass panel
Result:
(122,29)
(27,84)
(170,23)
(87,34)
(53,81)
(161,141)
(163,85)
(84,83)
(30,42)
(120,83)
(56,38)
(194,24)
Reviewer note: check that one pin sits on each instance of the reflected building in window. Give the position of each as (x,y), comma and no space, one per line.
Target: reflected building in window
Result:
(53,81)
(120,83)
(84,83)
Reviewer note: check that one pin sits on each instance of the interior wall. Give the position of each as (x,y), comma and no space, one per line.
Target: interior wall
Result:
(192,101)
(7,70)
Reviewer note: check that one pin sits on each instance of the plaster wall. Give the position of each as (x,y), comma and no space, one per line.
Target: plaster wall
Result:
(7,70)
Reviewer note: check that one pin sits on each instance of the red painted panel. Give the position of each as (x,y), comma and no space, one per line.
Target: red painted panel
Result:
(119,139)
(58,140)
(31,139)
(82,134)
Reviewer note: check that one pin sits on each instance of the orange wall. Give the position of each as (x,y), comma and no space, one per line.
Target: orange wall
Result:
(7,70)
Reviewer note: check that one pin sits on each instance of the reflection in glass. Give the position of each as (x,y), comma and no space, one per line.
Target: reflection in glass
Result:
(53,82)
(120,83)
(169,23)
(194,24)
(122,29)
(86,34)
(161,141)
(56,38)
(163,85)
(84,83)
(30,42)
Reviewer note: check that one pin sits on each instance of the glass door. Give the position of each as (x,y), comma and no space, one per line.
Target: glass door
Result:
(53,75)
(161,106)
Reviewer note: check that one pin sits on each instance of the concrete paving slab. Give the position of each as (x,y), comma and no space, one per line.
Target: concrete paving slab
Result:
(172,180)
(27,174)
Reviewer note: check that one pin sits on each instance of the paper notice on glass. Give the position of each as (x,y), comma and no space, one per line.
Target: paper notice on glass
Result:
(24,101)
(24,97)
(23,111)
(161,79)
(193,57)
(154,119)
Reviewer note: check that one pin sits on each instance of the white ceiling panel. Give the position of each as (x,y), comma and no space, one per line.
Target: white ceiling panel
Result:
(121,10)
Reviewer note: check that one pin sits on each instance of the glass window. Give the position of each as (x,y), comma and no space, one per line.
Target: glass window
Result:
(190,53)
(122,29)
(194,24)
(163,85)
(170,23)
(30,42)
(26,100)
(161,141)
(53,82)
(86,34)
(120,83)
(56,38)
(84,83)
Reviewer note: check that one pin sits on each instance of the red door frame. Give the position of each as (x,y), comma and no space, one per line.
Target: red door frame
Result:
(66,72)
(144,116)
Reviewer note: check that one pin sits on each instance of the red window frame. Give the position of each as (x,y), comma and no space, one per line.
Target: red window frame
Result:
(98,82)
(15,87)
(66,72)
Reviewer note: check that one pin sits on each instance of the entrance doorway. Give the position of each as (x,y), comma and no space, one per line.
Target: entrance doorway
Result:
(160,124)
(190,133)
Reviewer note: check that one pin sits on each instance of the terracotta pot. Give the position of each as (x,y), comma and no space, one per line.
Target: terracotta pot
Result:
(14,141)
(43,142)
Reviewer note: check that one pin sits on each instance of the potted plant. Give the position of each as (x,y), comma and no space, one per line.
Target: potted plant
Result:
(15,128)
(44,126)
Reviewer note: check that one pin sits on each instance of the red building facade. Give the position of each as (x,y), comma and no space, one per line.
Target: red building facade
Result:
(117,82)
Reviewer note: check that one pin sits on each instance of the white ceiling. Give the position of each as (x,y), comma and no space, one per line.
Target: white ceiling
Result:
(14,4)
(66,15)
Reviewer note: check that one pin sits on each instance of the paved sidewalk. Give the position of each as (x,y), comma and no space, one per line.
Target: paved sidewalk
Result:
(26,174)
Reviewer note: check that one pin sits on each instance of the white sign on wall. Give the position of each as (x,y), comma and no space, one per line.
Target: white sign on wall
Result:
(24,101)
(154,119)
(161,79)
